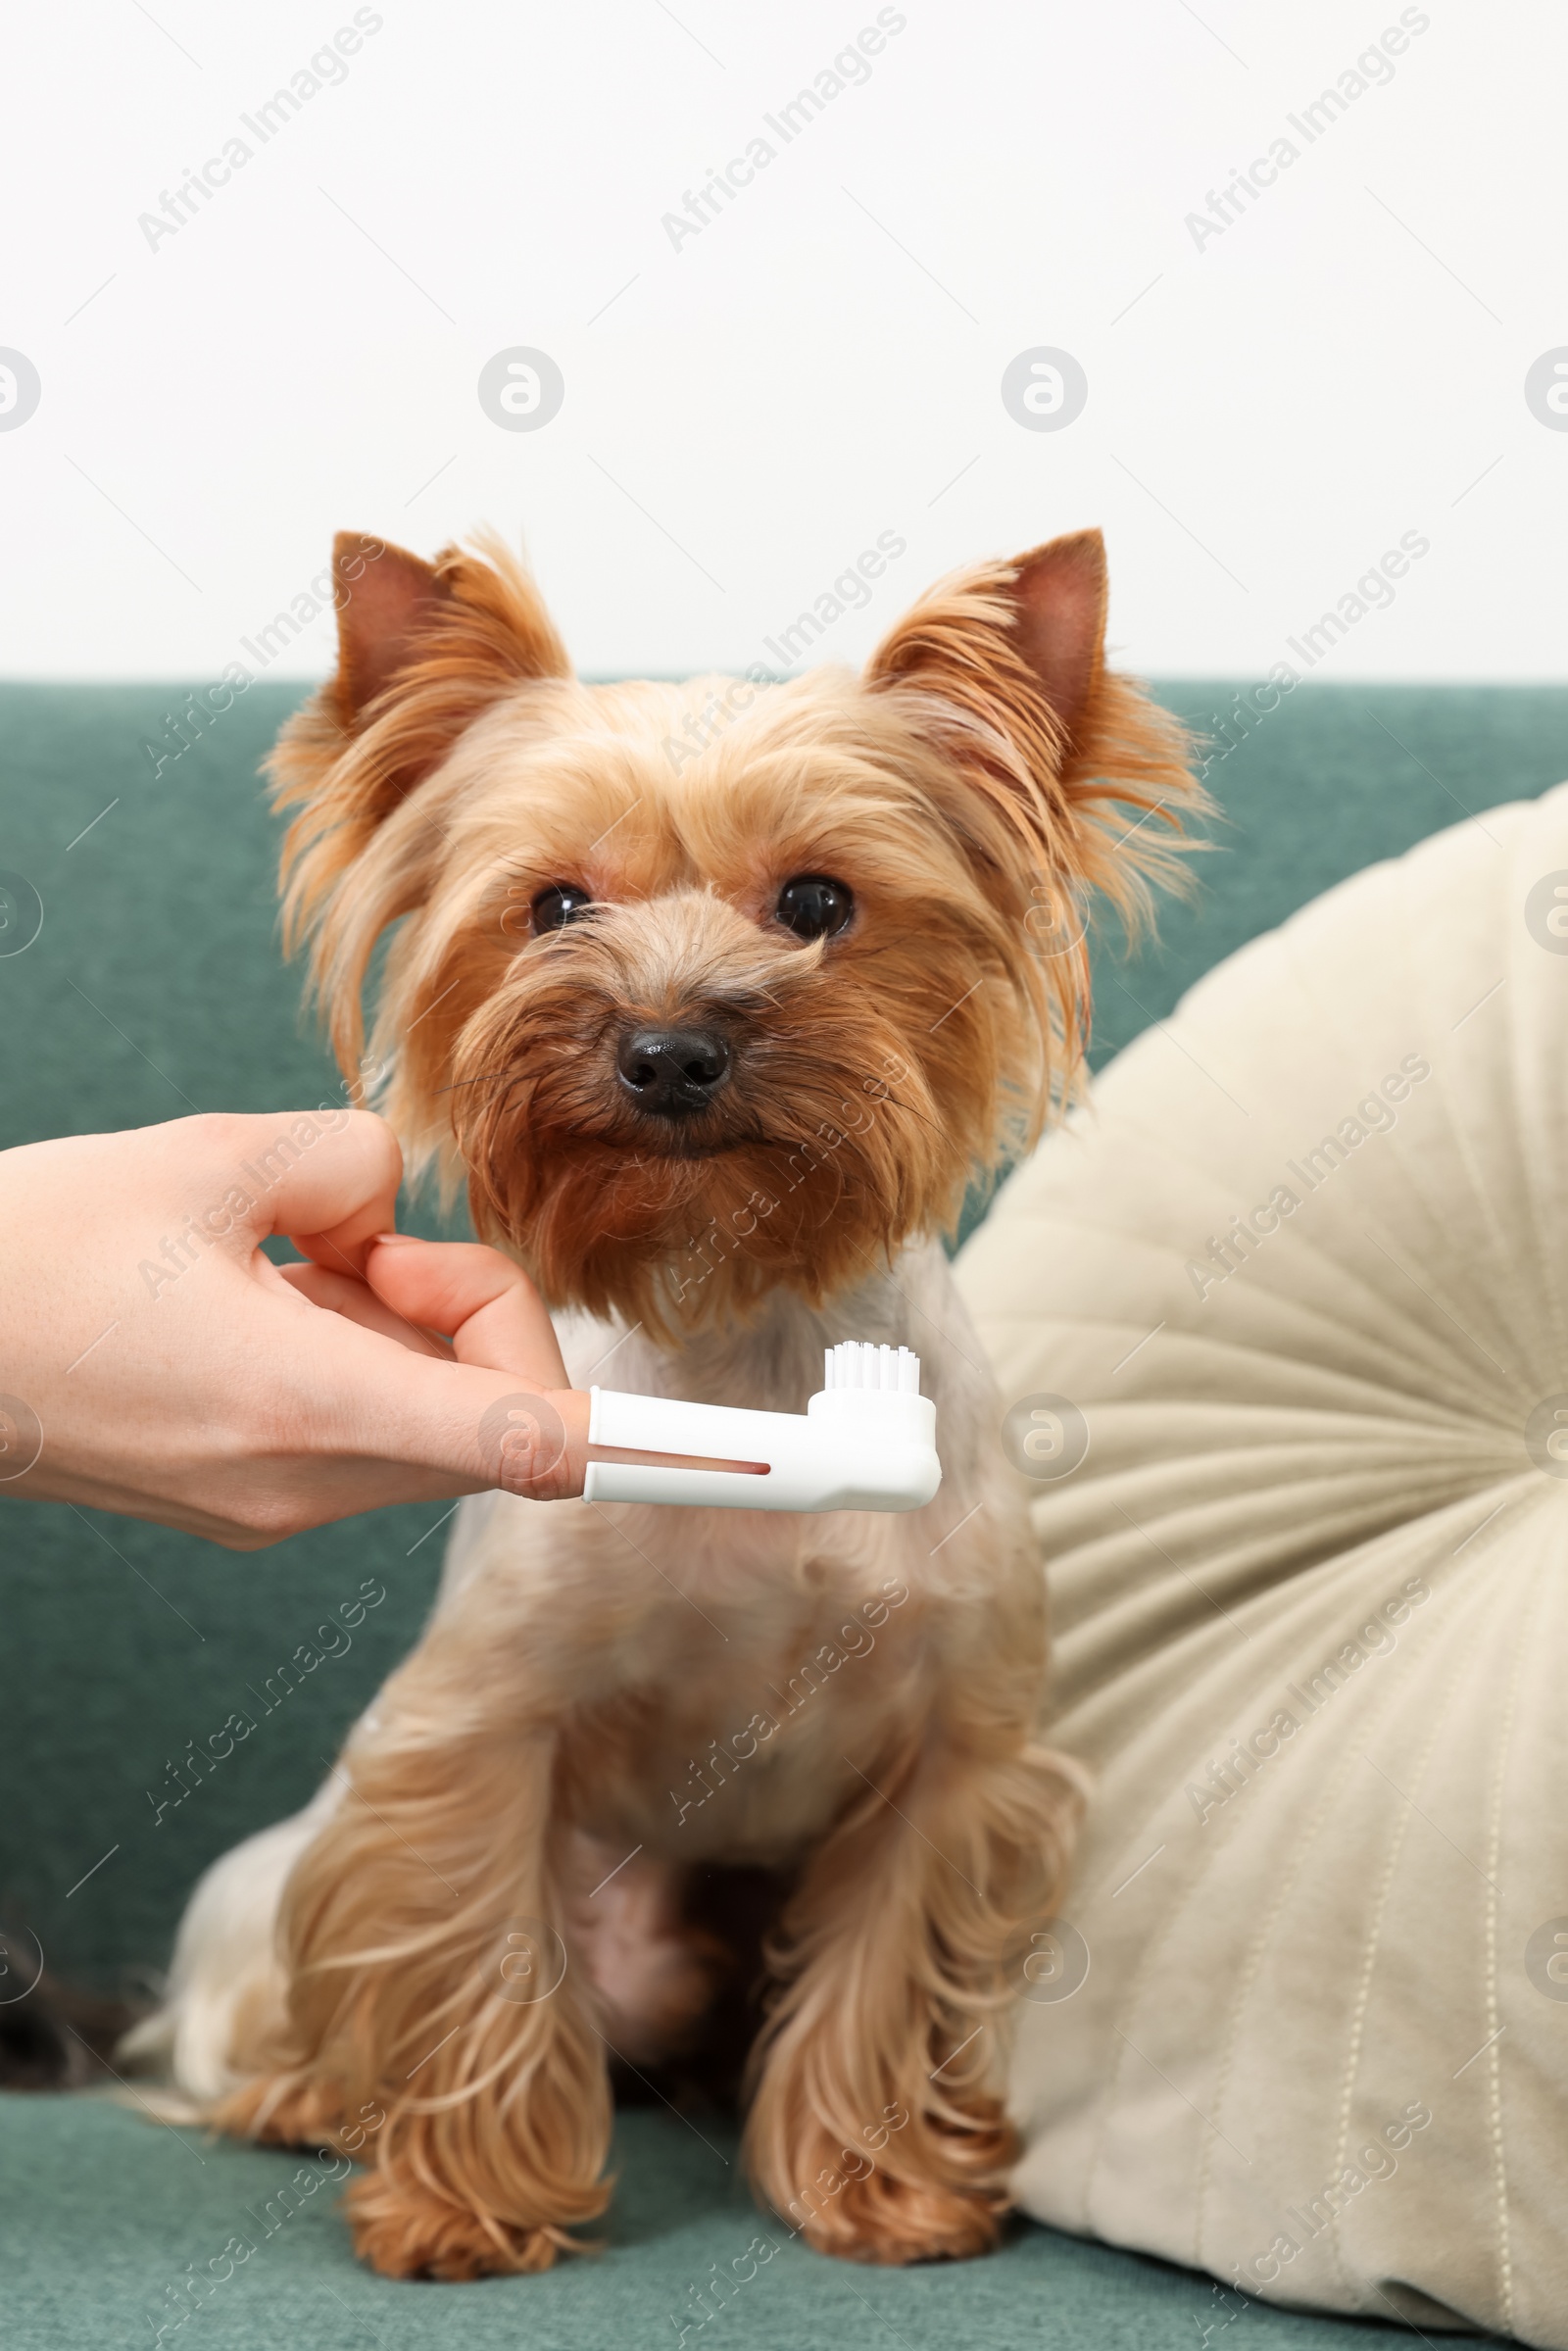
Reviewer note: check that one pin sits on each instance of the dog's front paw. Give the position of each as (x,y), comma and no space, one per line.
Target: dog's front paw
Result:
(896,2220)
(936,2196)
(407,2233)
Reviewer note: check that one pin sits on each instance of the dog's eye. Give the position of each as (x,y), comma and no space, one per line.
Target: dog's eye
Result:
(814,906)
(560,903)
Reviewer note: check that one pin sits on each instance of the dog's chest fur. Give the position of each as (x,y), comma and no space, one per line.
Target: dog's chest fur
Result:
(710,1672)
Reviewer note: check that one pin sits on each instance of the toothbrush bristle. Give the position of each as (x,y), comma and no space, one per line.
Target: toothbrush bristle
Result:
(887,1370)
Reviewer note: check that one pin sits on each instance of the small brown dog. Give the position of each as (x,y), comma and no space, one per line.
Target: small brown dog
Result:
(716,996)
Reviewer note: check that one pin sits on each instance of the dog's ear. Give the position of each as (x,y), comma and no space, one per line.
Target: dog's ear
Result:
(1060,595)
(386,599)
(471,619)
(424,651)
(1061,778)
(1021,642)
(1003,669)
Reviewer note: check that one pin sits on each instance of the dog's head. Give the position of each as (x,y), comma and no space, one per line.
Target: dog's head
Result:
(714,988)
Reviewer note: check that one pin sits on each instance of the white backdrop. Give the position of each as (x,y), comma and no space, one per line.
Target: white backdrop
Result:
(1274,399)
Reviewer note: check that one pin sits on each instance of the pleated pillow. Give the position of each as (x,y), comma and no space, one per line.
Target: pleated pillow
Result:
(1282,1324)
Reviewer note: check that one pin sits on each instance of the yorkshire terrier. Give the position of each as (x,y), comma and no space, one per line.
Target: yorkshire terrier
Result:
(717,997)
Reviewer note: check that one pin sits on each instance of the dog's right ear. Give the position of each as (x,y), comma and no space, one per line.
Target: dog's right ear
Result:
(468,615)
(423,650)
(386,600)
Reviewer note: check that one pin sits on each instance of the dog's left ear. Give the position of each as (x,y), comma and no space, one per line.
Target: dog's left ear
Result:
(1003,669)
(1059,596)
(1020,644)
(1041,753)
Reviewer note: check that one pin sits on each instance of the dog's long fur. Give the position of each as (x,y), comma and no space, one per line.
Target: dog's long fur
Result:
(849,1698)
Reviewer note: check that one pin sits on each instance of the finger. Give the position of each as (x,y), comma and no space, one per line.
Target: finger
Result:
(437,1427)
(328,1179)
(358,1303)
(492,1311)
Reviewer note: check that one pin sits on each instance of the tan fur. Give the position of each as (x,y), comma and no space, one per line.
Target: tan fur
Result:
(984,775)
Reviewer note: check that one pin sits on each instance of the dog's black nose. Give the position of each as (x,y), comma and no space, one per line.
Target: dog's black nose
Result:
(672,1072)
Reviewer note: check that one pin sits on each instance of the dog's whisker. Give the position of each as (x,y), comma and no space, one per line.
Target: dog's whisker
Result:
(491,1077)
(910,1111)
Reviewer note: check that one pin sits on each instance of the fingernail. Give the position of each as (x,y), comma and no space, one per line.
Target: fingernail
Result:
(390,1240)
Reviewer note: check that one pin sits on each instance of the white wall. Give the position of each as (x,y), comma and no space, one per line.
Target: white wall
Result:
(1268,410)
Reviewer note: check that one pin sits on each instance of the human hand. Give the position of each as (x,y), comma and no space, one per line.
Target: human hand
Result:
(159,1364)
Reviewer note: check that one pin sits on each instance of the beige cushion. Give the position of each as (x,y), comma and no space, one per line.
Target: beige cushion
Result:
(1310,1590)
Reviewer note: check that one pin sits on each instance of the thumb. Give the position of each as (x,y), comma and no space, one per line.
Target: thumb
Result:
(328,1179)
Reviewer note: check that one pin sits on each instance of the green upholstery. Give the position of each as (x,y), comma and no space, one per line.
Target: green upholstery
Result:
(156,987)
(101,2213)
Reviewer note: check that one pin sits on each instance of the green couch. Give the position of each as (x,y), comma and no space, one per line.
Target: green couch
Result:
(153,988)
